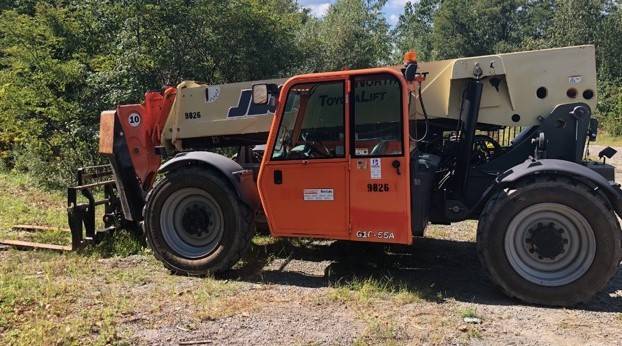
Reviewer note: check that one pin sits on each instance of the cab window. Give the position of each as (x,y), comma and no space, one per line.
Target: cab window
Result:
(377,116)
(312,125)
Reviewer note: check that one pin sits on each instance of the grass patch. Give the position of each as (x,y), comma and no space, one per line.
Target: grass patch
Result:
(364,291)
(379,332)
(120,243)
(49,298)
(469,312)
(472,330)
(463,231)
(88,297)
(40,296)
(22,202)
(473,333)
(264,240)
(605,139)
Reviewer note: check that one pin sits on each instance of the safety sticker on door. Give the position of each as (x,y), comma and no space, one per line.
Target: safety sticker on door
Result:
(375,168)
(319,195)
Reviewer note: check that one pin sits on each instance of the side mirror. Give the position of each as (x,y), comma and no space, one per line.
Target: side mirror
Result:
(260,94)
(263,92)
(410,71)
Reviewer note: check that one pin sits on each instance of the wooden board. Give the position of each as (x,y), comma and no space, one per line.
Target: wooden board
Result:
(30,245)
(33,228)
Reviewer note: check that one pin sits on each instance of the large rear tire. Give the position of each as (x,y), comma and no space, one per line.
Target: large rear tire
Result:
(195,223)
(549,241)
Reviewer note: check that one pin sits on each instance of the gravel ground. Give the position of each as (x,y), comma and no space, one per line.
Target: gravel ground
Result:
(300,292)
(443,271)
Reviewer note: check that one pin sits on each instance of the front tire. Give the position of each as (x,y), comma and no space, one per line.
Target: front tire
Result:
(549,241)
(195,223)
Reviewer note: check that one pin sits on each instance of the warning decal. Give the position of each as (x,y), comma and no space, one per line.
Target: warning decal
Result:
(574,80)
(375,168)
(319,195)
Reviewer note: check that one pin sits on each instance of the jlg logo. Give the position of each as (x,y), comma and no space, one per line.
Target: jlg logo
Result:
(246,107)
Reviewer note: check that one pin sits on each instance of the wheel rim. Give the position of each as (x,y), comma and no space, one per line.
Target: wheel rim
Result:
(550,244)
(192,222)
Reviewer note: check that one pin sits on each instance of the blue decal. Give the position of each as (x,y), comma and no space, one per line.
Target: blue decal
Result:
(247,107)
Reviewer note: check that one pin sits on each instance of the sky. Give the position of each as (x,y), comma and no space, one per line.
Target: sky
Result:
(391,10)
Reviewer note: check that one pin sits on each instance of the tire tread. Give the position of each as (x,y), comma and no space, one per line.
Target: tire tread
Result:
(501,198)
(244,216)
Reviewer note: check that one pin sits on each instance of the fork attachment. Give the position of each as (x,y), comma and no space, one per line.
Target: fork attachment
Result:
(82,216)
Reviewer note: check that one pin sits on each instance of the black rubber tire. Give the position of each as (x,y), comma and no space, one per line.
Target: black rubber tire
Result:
(500,210)
(238,222)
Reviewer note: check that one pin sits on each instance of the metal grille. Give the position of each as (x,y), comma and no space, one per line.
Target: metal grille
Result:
(504,136)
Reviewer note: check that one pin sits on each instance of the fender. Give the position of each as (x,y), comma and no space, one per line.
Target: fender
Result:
(239,178)
(570,169)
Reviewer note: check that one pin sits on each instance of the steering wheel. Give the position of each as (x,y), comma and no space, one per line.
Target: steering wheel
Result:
(314,148)
(485,148)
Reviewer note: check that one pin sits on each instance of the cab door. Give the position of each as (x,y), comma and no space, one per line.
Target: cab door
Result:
(379,163)
(303,182)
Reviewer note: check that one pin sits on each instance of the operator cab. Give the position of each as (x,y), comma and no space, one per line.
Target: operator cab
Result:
(337,161)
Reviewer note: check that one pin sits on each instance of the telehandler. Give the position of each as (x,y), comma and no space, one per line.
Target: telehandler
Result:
(373,155)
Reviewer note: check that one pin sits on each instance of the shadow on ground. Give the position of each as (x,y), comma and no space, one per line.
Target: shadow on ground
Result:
(434,268)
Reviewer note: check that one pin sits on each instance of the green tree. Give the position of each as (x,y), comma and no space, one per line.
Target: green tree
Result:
(414,30)
(468,28)
(576,22)
(45,67)
(595,22)
(610,47)
(610,107)
(213,41)
(63,62)
(353,34)
(534,19)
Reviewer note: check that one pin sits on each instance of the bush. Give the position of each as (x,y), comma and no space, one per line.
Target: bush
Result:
(610,108)
(55,166)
